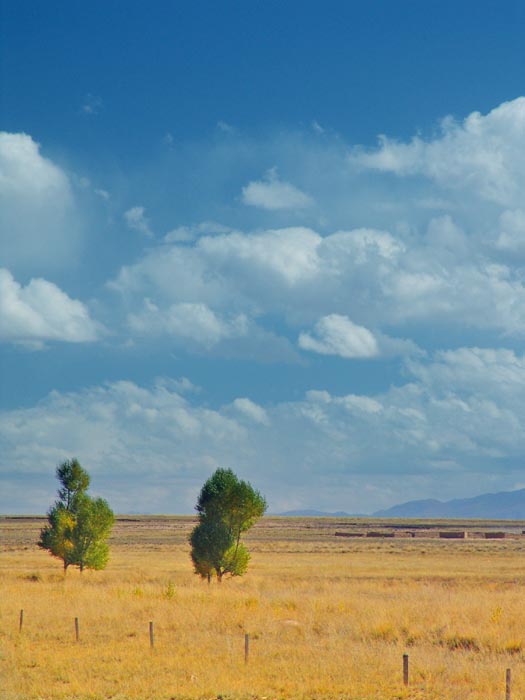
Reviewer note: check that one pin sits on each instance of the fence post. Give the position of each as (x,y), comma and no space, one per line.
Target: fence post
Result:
(151,637)
(507,684)
(246,647)
(77,630)
(405,669)
(21,623)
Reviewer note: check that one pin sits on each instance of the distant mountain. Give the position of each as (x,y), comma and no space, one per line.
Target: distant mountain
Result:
(315,514)
(506,505)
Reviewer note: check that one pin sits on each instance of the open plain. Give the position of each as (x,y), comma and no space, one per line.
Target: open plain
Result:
(328,617)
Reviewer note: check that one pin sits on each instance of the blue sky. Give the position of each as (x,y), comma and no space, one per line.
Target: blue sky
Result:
(288,238)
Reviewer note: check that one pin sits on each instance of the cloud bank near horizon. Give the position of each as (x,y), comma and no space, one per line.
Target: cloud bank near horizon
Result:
(456,416)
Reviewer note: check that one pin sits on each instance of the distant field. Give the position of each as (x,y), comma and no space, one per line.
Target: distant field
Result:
(328,616)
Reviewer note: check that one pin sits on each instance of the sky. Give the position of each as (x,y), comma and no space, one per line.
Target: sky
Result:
(284,238)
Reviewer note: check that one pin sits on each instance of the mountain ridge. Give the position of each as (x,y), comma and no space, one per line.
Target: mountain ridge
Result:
(502,505)
(310,513)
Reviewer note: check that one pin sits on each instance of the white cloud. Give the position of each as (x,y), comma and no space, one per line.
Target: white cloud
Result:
(498,372)
(511,237)
(136,220)
(42,312)
(481,154)
(230,272)
(190,321)
(363,404)
(274,194)
(372,277)
(288,254)
(248,408)
(444,238)
(23,169)
(337,335)
(39,225)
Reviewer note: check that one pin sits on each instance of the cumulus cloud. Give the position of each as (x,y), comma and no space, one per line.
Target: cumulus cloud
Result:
(231,271)
(482,153)
(274,194)
(39,224)
(374,278)
(41,312)
(190,321)
(251,410)
(337,335)
(288,254)
(195,327)
(137,221)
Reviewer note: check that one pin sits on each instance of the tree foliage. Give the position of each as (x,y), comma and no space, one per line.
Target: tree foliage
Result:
(227,507)
(75,482)
(78,525)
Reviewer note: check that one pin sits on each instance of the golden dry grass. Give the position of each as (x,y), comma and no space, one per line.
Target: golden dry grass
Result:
(328,617)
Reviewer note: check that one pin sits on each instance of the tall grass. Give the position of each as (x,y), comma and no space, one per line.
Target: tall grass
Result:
(326,620)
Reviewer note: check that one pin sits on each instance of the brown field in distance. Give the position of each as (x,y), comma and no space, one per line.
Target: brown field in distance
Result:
(328,617)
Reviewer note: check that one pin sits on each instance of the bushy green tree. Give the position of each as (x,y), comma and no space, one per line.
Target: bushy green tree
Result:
(227,507)
(93,522)
(78,525)
(57,535)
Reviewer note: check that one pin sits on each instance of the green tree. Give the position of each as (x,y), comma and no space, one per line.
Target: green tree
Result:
(93,522)
(57,536)
(227,507)
(78,525)
(75,481)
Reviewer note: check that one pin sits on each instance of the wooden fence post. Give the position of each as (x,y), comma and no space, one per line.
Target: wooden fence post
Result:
(77,630)
(151,637)
(21,623)
(405,669)
(507,684)
(246,647)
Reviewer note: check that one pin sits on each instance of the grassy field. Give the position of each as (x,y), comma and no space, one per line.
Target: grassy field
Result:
(328,617)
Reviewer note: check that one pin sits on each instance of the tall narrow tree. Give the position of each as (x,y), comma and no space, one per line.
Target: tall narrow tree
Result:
(78,525)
